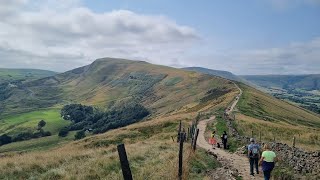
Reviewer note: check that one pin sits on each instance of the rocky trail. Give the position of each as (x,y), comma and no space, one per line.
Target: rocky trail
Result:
(233,165)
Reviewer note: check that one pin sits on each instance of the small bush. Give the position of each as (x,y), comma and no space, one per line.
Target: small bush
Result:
(63,132)
(79,135)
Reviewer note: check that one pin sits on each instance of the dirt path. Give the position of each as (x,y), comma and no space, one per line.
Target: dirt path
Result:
(240,163)
(228,160)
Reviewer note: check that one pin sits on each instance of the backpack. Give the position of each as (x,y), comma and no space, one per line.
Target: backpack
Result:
(225,136)
(254,151)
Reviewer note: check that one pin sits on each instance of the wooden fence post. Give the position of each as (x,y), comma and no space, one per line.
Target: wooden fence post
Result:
(188,135)
(195,140)
(126,172)
(180,158)
(179,132)
(260,136)
(294,142)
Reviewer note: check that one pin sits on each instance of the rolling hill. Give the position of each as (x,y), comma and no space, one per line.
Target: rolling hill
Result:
(169,94)
(273,117)
(109,81)
(23,74)
(307,82)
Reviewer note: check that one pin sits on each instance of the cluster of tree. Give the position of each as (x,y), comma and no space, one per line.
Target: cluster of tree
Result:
(6,139)
(4,91)
(85,118)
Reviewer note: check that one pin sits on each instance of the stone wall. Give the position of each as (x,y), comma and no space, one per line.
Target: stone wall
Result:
(301,161)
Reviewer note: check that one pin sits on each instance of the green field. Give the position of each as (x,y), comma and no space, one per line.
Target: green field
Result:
(29,121)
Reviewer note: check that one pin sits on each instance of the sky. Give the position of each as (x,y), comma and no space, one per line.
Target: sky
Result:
(243,37)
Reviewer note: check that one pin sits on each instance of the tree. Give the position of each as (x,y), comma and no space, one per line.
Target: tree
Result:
(41,124)
(5,139)
(79,135)
(63,132)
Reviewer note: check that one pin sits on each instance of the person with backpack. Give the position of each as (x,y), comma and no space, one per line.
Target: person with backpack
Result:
(224,139)
(267,161)
(253,155)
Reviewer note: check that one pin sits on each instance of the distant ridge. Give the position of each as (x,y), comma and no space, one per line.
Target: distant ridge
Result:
(23,74)
(220,73)
(109,81)
(307,82)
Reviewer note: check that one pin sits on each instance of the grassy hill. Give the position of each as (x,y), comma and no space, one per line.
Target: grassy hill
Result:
(23,74)
(169,94)
(301,90)
(219,73)
(260,112)
(108,81)
(307,82)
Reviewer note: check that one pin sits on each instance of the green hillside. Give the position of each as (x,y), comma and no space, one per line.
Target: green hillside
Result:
(104,84)
(23,74)
(107,81)
(169,94)
(274,118)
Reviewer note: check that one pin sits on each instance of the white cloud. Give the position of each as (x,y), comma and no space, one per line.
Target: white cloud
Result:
(295,58)
(54,35)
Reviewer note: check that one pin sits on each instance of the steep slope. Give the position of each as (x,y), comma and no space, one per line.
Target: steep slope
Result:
(307,82)
(109,81)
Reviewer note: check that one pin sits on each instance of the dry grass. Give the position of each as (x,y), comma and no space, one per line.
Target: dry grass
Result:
(151,153)
(276,118)
(306,137)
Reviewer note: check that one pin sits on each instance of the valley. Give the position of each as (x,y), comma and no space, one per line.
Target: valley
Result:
(301,90)
(169,95)
(107,87)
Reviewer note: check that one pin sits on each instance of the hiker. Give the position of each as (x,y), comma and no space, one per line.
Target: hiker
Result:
(224,139)
(184,135)
(267,161)
(253,155)
(212,140)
